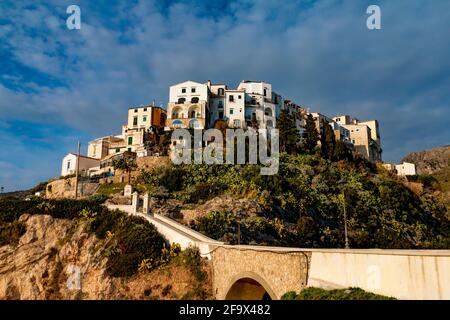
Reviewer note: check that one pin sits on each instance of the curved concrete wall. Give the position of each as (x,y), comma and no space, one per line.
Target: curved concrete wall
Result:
(404,274)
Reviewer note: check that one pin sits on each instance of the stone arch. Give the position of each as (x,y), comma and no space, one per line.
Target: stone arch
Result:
(194,111)
(268,112)
(249,286)
(176,113)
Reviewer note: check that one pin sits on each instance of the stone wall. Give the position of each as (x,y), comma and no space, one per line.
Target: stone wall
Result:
(276,272)
(151,162)
(65,188)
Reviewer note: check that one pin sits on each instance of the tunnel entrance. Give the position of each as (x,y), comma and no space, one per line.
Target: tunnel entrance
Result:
(247,289)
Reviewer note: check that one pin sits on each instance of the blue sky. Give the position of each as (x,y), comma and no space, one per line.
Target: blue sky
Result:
(58,86)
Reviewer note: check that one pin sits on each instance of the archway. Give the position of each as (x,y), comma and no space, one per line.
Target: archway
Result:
(249,287)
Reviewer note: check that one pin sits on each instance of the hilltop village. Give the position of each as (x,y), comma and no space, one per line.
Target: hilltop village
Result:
(207,105)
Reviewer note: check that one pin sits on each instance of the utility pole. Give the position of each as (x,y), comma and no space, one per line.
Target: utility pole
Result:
(239,229)
(76,171)
(347,246)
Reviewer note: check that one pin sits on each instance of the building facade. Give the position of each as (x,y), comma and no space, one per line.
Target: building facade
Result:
(86,164)
(364,135)
(200,106)
(406,169)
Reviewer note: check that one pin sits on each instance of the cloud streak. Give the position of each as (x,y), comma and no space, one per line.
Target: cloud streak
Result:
(318,53)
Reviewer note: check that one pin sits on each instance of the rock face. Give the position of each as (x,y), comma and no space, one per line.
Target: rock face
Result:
(59,259)
(429,161)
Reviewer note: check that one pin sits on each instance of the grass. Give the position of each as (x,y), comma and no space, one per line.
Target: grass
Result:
(108,189)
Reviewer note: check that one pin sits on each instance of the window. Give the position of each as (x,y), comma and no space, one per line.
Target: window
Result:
(221,91)
(130,140)
(181,100)
(265,91)
(183,90)
(117,150)
(144,119)
(239,97)
(220,114)
(145,109)
(192,114)
(220,104)
(68,165)
(135,110)
(193,89)
(237,123)
(231,98)
(194,124)
(177,124)
(135,121)
(194,100)
(129,149)
(231,111)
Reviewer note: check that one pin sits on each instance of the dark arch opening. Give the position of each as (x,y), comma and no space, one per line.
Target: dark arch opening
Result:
(247,289)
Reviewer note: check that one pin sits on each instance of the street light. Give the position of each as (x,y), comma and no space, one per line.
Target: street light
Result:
(342,182)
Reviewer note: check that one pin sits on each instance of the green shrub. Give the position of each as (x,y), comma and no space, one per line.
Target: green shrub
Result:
(11,232)
(133,240)
(336,294)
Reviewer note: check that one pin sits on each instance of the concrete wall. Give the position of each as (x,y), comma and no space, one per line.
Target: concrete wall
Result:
(404,274)
(174,232)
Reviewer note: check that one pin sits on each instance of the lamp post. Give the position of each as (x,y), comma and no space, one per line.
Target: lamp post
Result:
(238,220)
(342,182)
(76,171)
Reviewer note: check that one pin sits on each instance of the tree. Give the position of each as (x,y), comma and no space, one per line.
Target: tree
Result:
(125,164)
(289,135)
(327,141)
(311,134)
(342,152)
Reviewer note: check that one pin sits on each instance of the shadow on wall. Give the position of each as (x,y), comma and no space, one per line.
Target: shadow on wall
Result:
(247,289)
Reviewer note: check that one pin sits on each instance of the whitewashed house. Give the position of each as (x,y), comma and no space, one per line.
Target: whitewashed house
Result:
(406,169)
(69,164)
(201,105)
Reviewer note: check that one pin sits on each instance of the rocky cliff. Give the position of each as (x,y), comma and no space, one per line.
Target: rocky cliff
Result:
(59,259)
(429,161)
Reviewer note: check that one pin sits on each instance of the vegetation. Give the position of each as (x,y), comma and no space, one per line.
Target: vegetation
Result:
(336,294)
(306,199)
(10,233)
(125,164)
(311,134)
(289,135)
(108,189)
(128,240)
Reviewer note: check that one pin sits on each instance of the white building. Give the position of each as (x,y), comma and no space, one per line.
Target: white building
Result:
(69,164)
(197,105)
(406,169)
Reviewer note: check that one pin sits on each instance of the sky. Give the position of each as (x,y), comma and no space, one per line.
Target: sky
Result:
(58,86)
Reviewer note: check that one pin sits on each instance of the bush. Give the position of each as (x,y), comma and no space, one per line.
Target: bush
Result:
(336,294)
(132,240)
(10,233)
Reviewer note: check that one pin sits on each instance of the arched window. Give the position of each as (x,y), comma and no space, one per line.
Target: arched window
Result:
(177,123)
(181,100)
(194,124)
(194,100)
(268,112)
(192,114)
